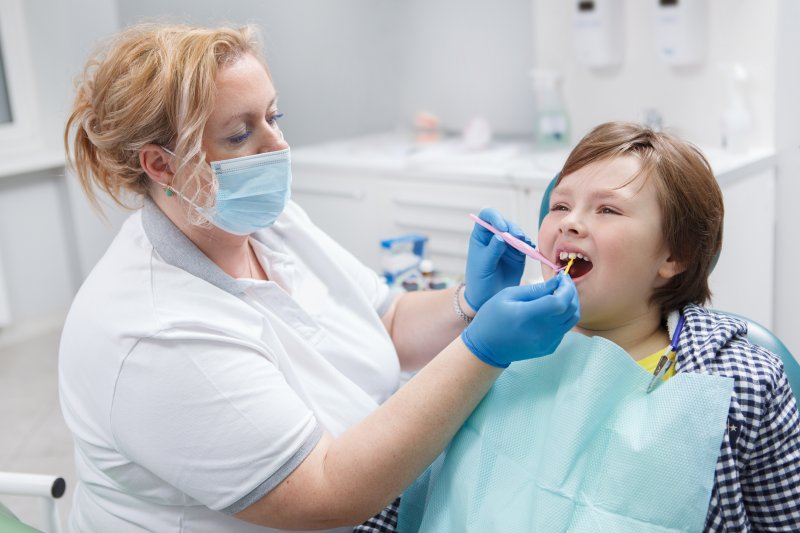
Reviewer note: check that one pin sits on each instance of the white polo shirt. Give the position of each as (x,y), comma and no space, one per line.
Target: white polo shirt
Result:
(191,394)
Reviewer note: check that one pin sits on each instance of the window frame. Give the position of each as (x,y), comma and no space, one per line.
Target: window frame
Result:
(18,135)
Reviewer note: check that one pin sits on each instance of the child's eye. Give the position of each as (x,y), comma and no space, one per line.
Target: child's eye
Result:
(239,138)
(559,207)
(609,211)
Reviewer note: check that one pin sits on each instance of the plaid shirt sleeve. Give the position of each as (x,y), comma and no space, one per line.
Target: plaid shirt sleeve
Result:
(383,522)
(771,480)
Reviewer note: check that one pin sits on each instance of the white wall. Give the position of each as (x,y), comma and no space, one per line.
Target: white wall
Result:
(334,63)
(690,99)
(350,67)
(80,26)
(60,35)
(37,269)
(466,58)
(787,140)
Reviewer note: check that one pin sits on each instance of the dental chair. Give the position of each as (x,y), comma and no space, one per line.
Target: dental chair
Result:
(46,488)
(756,333)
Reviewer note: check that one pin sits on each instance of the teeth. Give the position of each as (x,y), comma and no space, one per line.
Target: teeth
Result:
(572,255)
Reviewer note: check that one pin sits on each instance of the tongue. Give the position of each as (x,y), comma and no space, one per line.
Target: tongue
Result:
(580,268)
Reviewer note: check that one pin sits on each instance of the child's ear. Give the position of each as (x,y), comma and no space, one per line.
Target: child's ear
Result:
(670,268)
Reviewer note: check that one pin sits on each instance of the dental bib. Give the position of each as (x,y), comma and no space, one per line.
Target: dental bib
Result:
(572,442)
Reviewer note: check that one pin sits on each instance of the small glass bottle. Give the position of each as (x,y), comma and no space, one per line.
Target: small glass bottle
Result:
(426,273)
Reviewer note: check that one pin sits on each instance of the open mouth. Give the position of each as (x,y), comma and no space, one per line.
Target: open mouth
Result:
(580,266)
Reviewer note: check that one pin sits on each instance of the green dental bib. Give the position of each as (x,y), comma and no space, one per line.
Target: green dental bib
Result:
(572,442)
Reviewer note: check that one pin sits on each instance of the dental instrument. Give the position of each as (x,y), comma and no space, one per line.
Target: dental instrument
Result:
(667,359)
(569,265)
(515,243)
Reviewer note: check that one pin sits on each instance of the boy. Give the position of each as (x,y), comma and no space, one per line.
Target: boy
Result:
(641,214)
(646,210)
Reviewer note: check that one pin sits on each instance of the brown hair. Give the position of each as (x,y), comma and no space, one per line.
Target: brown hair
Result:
(151,83)
(689,196)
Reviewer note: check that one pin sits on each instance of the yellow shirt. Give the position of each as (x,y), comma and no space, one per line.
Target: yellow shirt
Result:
(649,363)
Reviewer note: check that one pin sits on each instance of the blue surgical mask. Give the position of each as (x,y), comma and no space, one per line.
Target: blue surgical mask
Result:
(252,191)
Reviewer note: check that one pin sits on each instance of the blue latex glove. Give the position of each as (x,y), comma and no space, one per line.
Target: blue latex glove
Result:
(523,322)
(492,265)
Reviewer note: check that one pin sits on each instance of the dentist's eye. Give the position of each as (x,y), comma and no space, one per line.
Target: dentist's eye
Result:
(239,138)
(273,120)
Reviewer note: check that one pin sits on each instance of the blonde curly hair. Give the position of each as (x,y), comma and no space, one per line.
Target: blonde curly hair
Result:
(151,83)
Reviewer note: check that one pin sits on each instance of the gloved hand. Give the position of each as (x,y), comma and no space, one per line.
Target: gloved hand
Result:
(492,265)
(523,322)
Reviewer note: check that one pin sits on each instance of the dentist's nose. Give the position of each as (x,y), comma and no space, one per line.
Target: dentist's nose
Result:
(271,138)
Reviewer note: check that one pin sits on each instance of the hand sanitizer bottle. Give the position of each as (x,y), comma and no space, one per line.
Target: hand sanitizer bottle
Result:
(551,126)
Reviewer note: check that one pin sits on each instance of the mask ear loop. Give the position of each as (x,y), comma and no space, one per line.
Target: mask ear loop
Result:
(170,192)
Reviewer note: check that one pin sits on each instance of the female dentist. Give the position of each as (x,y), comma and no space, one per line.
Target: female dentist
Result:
(226,366)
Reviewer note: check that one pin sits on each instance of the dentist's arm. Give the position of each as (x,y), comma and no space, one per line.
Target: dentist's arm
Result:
(423,323)
(346,480)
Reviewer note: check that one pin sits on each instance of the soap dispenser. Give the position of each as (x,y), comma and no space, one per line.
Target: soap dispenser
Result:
(551,127)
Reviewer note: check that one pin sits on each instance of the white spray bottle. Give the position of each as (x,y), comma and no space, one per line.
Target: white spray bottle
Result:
(736,121)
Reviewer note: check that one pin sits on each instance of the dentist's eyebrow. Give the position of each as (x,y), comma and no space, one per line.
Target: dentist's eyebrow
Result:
(245,114)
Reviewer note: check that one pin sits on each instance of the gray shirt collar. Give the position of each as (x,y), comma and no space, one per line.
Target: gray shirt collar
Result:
(176,249)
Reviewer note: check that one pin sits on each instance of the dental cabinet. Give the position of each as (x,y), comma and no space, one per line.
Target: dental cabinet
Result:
(367,189)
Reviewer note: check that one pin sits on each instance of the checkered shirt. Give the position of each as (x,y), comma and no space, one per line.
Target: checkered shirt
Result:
(757,481)
(383,522)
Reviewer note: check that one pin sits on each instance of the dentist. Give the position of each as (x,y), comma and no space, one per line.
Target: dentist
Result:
(226,366)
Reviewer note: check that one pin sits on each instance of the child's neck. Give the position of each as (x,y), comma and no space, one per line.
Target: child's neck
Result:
(640,336)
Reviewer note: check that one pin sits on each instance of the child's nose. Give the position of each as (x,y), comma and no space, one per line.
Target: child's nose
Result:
(572,224)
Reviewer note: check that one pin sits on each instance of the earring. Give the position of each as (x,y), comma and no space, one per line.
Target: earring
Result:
(169,191)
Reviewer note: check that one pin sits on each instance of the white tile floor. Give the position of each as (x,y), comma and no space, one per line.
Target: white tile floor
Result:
(33,436)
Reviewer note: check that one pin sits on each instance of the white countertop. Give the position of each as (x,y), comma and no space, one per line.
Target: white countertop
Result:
(22,162)
(515,162)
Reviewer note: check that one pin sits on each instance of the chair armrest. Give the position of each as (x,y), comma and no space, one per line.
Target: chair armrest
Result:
(32,485)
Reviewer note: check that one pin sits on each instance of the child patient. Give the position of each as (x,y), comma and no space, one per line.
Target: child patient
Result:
(641,213)
(644,214)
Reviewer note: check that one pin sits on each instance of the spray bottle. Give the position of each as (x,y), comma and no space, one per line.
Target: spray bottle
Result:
(736,122)
(551,126)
